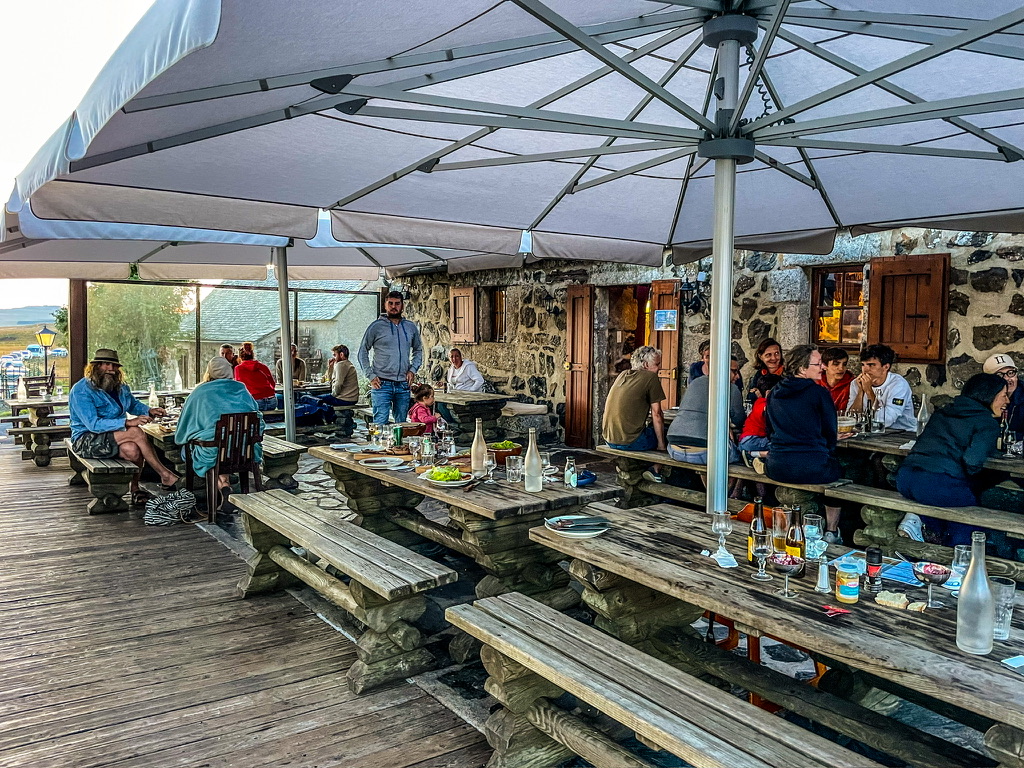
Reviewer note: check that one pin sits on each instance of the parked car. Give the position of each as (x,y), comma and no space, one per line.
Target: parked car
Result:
(58,352)
(34,350)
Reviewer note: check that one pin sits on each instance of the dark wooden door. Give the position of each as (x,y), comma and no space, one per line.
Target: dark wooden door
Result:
(907,305)
(665,297)
(578,366)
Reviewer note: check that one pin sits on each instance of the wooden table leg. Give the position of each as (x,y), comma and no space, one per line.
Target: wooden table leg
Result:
(280,471)
(371,499)
(629,473)
(41,416)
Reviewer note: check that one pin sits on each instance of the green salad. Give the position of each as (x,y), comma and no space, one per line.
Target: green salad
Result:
(506,445)
(445,474)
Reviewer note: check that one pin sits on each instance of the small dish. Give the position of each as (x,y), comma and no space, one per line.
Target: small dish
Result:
(588,532)
(384,462)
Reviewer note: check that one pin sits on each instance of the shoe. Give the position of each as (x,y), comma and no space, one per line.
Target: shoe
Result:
(911,527)
(832,537)
(758,465)
(652,476)
(748,459)
(141,497)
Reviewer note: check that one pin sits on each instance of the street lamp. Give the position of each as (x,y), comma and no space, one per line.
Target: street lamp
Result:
(45,337)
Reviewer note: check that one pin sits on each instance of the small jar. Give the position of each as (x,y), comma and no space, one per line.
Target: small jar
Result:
(847,584)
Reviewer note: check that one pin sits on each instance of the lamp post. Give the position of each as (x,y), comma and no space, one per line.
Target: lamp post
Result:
(45,337)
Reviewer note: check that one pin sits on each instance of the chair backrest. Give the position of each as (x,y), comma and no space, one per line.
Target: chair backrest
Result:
(235,435)
(35,386)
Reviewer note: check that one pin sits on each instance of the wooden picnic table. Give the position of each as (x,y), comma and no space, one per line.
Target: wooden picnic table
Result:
(659,548)
(891,440)
(467,407)
(489,523)
(39,411)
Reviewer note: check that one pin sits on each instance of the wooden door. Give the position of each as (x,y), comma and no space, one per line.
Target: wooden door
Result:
(907,303)
(579,379)
(665,298)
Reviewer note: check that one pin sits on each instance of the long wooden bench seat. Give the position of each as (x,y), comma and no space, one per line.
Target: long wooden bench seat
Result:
(108,480)
(533,654)
(37,442)
(385,593)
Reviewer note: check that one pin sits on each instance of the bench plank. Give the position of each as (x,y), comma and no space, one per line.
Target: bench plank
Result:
(387,568)
(692,719)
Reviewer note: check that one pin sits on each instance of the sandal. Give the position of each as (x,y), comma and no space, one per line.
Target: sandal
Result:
(141,497)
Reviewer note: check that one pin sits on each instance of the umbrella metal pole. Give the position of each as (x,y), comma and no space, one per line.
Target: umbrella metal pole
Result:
(281,273)
(720,385)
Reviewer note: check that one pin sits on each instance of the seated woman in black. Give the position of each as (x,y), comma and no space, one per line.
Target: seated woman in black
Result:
(800,421)
(945,467)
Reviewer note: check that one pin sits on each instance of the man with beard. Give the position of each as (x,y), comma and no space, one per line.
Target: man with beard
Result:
(397,355)
(105,420)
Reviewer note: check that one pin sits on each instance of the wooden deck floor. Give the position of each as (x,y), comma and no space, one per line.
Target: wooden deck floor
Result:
(124,645)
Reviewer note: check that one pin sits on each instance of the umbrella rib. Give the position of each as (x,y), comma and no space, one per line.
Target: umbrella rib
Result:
(934,20)
(849,66)
(916,58)
(782,167)
(647,164)
(369,257)
(669,37)
(894,149)
(432,255)
(759,61)
(545,15)
(536,45)
(646,146)
(671,72)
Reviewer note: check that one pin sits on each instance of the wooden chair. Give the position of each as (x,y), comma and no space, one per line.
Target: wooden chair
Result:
(36,386)
(235,436)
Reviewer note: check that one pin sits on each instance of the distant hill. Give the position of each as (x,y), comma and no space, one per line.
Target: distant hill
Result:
(27,316)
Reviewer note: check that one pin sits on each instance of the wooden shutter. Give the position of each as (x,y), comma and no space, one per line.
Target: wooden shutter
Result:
(463,315)
(578,366)
(907,304)
(665,296)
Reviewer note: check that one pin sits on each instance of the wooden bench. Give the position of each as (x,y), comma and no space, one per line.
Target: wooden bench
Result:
(385,591)
(108,480)
(281,461)
(24,420)
(533,654)
(882,510)
(37,442)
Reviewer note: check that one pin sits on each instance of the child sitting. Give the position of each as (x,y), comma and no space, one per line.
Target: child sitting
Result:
(422,409)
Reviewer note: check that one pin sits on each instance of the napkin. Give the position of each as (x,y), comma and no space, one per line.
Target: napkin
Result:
(908,445)
(722,557)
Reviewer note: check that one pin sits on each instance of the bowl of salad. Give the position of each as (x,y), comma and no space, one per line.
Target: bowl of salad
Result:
(447,477)
(505,449)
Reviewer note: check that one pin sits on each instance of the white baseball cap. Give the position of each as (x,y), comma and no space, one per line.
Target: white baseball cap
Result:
(997,362)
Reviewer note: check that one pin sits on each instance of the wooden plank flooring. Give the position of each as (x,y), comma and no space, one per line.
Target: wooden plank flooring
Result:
(124,645)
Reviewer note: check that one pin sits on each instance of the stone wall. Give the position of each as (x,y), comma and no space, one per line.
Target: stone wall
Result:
(771,298)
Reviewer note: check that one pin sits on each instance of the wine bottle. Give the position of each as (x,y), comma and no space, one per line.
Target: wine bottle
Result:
(478,452)
(975,608)
(533,469)
(154,400)
(923,414)
(795,542)
(757,527)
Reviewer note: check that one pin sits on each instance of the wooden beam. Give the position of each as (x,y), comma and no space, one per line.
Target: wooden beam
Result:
(78,328)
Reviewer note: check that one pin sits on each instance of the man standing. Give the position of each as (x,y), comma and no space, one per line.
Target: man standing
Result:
(298,367)
(344,379)
(1003,365)
(635,394)
(887,393)
(228,353)
(100,406)
(397,355)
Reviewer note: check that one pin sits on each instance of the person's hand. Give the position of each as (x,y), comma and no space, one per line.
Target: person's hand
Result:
(138,421)
(410,377)
(375,382)
(154,412)
(845,436)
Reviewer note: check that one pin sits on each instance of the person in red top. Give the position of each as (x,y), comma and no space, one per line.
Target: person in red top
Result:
(422,409)
(835,378)
(754,437)
(257,378)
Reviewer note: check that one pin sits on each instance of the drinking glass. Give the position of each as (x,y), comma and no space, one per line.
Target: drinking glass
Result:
(489,464)
(721,523)
(441,427)
(788,566)
(762,551)
(415,449)
(514,469)
(374,432)
(59,391)
(813,533)
(782,517)
(546,468)
(1003,592)
(427,452)
(961,562)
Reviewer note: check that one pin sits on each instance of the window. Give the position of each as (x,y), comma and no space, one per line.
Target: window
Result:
(497,298)
(907,305)
(463,315)
(838,312)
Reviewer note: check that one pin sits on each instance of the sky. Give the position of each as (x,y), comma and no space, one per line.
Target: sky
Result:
(52,51)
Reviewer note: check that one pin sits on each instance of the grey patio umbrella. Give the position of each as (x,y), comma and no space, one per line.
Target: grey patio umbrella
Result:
(609,130)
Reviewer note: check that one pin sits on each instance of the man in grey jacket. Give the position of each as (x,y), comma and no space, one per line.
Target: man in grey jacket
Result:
(397,355)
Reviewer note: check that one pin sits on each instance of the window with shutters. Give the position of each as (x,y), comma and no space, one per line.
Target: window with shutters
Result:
(907,305)
(496,327)
(837,318)
(463,315)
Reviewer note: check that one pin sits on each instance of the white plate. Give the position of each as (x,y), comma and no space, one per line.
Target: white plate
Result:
(450,483)
(384,462)
(569,533)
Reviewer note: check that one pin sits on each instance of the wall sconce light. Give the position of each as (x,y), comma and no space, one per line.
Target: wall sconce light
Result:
(551,305)
(693,294)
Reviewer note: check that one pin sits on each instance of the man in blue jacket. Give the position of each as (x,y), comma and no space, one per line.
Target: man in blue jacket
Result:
(105,420)
(397,355)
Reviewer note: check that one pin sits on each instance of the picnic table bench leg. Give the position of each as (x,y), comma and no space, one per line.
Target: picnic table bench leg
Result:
(108,491)
(263,574)
(38,446)
(879,525)
(629,473)
(78,478)
(280,471)
(808,501)
(371,499)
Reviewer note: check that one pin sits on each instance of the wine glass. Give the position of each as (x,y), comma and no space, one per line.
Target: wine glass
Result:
(427,452)
(721,523)
(415,447)
(489,464)
(762,550)
(59,391)
(546,469)
(932,574)
(787,565)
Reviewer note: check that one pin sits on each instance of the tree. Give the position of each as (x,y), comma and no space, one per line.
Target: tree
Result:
(141,322)
(60,320)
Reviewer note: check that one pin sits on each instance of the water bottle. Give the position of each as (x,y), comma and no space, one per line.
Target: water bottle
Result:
(533,469)
(571,477)
(154,399)
(478,452)
(923,414)
(975,609)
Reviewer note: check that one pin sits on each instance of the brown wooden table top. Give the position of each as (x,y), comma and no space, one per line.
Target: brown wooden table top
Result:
(499,500)
(891,441)
(34,403)
(469,398)
(659,546)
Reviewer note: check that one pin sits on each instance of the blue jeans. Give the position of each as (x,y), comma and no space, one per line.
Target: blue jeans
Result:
(939,490)
(647,441)
(391,399)
(267,403)
(445,412)
(753,443)
(700,456)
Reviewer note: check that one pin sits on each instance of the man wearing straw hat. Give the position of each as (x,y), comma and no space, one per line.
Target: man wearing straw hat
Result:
(105,420)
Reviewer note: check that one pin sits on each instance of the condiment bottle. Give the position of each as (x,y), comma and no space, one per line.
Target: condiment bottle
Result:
(873,558)
(975,608)
(847,583)
(570,477)
(533,469)
(757,527)
(478,451)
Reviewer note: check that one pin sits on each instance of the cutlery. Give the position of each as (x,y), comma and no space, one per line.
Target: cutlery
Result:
(580,522)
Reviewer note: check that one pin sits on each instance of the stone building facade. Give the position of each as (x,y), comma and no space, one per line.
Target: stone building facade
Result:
(772,297)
